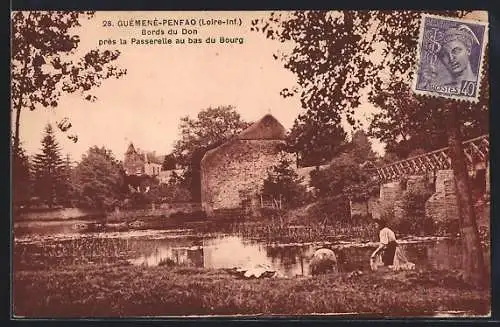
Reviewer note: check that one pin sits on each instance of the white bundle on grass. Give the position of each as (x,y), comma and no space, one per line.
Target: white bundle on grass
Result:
(401,261)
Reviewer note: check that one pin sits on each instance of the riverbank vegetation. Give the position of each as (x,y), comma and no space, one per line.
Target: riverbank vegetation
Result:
(118,290)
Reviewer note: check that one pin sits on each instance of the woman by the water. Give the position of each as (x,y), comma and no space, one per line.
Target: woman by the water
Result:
(392,255)
(387,244)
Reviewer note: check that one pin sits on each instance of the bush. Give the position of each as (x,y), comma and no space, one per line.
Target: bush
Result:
(331,209)
(417,225)
(414,220)
(358,218)
(282,182)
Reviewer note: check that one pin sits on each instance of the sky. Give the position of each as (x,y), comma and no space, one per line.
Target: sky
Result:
(166,82)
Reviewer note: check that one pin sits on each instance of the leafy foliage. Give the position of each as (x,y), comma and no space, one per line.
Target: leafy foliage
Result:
(345,175)
(43,64)
(174,193)
(209,129)
(407,122)
(344,180)
(282,182)
(48,168)
(169,163)
(361,148)
(414,221)
(21,177)
(315,142)
(142,190)
(99,180)
(339,56)
(68,190)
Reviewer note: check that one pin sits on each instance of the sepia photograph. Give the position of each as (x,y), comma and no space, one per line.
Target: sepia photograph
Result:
(177,164)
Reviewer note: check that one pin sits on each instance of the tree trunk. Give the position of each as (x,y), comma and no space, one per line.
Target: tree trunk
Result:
(472,255)
(16,129)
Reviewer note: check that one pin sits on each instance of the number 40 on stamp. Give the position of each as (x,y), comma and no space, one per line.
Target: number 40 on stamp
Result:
(450,57)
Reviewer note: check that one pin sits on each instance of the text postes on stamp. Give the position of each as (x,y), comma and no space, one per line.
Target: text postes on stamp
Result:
(450,57)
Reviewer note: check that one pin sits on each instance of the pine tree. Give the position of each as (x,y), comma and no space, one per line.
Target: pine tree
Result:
(48,169)
(66,189)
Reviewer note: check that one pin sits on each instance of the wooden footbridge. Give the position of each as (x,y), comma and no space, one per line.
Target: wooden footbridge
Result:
(476,150)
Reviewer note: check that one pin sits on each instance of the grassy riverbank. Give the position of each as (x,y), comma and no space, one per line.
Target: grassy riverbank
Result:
(124,290)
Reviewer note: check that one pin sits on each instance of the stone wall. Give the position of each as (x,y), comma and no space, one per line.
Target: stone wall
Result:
(165,209)
(233,173)
(389,194)
(416,183)
(442,205)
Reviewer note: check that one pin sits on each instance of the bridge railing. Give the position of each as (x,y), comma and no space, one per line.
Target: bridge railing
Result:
(475,150)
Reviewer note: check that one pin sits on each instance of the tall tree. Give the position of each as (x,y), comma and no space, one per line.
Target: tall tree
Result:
(48,170)
(407,122)
(337,56)
(361,147)
(99,180)
(344,178)
(43,65)
(67,191)
(209,129)
(21,177)
(169,163)
(314,141)
(283,182)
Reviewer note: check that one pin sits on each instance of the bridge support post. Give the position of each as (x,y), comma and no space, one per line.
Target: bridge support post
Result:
(389,194)
(441,206)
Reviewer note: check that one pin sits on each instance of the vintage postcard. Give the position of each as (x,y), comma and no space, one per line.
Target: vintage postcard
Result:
(250,163)
(450,59)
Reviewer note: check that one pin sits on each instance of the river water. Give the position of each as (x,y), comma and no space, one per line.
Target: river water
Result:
(188,248)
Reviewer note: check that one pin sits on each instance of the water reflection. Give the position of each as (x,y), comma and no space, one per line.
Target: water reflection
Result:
(154,252)
(183,247)
(288,260)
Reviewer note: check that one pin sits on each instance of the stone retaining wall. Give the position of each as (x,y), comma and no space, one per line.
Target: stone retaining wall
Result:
(442,205)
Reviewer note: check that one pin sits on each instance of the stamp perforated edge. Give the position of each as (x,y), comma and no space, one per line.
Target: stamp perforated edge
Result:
(481,61)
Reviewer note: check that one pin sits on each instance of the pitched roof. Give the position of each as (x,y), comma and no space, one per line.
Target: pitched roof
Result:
(130,149)
(267,128)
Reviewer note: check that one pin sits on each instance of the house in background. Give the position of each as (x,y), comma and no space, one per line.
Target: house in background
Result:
(138,162)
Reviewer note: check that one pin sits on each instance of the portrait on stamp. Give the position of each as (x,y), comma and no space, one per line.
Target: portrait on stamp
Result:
(449,57)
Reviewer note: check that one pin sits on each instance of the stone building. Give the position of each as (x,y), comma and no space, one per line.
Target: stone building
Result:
(232,174)
(138,162)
